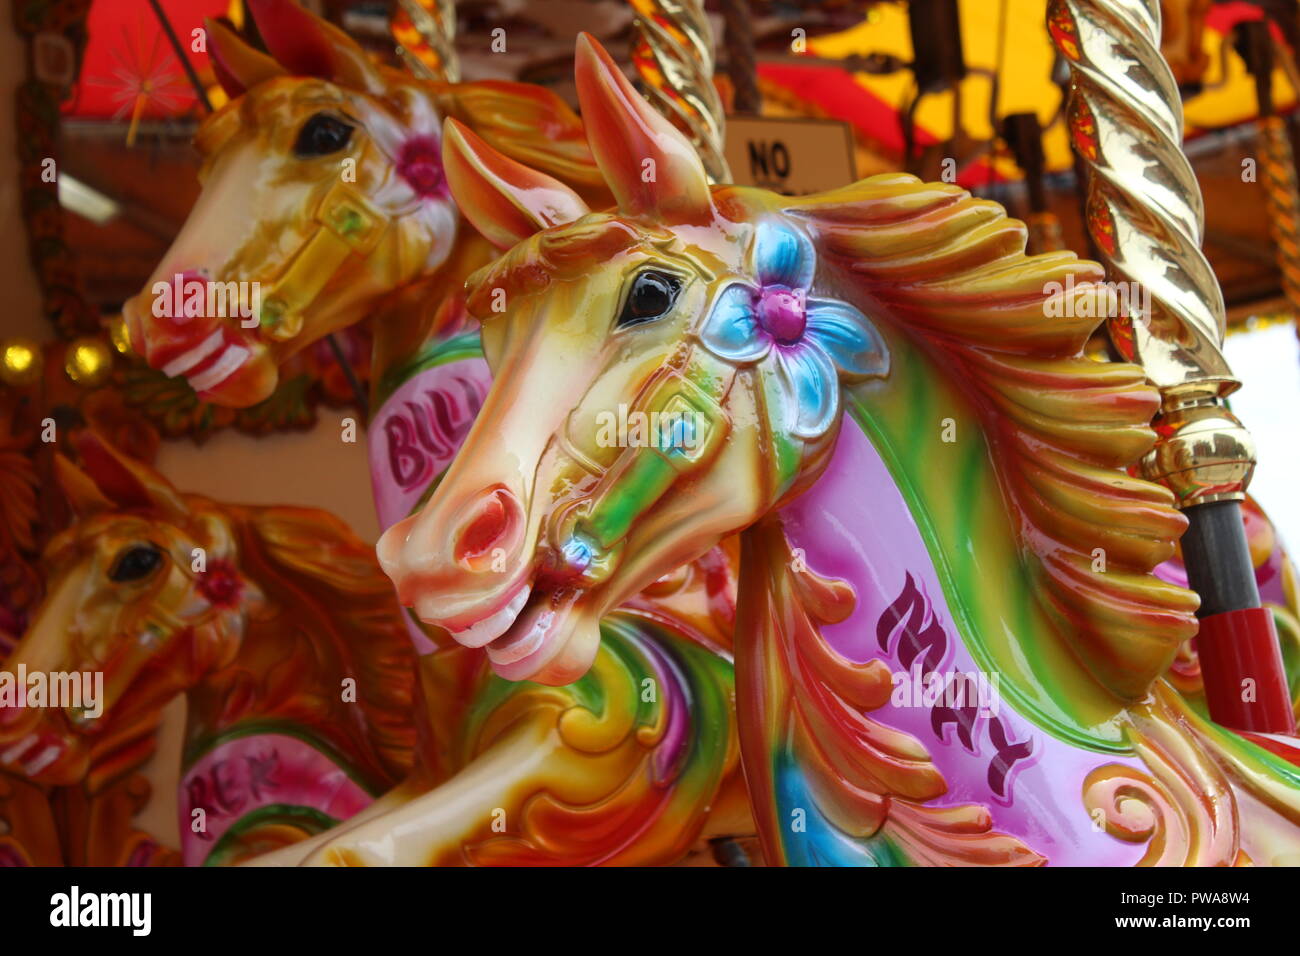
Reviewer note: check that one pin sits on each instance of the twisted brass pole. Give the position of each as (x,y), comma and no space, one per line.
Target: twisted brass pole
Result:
(672,54)
(1278,163)
(1284,192)
(1145,213)
(742,64)
(425,31)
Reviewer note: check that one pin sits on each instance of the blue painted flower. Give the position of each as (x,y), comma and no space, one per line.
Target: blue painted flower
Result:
(809,343)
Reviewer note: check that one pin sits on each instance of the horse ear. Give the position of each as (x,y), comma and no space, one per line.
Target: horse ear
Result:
(237,65)
(504,200)
(84,498)
(308,46)
(124,482)
(651,168)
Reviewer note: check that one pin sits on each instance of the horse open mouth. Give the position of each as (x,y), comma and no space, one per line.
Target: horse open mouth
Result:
(206,348)
(210,363)
(523,637)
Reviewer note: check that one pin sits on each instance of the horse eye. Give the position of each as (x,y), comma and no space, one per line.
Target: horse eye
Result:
(135,563)
(321,135)
(651,296)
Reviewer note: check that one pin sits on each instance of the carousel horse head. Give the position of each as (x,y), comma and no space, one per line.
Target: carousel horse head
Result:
(323,192)
(668,345)
(143,599)
(668,372)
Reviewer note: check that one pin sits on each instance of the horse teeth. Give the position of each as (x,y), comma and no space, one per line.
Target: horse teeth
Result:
(183,363)
(226,365)
(17,750)
(490,628)
(521,648)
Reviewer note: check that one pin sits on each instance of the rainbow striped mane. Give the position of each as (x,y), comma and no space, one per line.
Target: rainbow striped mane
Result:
(1064,431)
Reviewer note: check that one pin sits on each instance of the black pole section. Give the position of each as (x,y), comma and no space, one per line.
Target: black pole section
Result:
(179,50)
(1024,134)
(1217,558)
(357,392)
(1255,46)
(937,58)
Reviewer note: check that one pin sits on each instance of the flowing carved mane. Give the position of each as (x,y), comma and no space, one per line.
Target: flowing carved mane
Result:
(324,579)
(531,125)
(1063,430)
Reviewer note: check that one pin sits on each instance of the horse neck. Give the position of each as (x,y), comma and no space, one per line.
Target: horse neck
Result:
(425,311)
(289,676)
(946,494)
(125,749)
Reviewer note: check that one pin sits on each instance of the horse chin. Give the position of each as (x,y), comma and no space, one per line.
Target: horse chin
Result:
(552,641)
(223,363)
(248,384)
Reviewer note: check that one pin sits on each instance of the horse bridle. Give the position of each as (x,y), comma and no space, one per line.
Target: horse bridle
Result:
(345,223)
(695,383)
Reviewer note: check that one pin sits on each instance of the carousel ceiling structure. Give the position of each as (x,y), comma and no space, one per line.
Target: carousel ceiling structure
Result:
(130,114)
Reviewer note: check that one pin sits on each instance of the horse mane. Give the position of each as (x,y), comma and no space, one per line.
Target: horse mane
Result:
(327,582)
(1065,431)
(528,123)
(531,125)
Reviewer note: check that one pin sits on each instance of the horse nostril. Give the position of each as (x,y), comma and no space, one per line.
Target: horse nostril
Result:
(496,517)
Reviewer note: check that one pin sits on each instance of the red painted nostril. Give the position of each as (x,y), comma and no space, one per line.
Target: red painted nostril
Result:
(497,516)
(182,300)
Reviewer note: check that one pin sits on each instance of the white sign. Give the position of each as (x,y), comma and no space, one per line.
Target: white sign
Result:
(793,156)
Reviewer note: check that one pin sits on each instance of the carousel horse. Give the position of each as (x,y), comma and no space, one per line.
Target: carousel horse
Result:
(950,647)
(275,624)
(324,182)
(324,204)
(428,375)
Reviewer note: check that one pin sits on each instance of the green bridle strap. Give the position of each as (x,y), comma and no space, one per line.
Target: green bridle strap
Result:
(346,224)
(693,392)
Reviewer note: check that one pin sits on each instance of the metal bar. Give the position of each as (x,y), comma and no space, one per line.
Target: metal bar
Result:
(1145,213)
(181,55)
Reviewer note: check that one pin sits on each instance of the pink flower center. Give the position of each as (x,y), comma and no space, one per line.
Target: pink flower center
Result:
(420,164)
(782,314)
(220,584)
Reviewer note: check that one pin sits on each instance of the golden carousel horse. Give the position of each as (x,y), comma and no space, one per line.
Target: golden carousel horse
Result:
(931,666)
(274,623)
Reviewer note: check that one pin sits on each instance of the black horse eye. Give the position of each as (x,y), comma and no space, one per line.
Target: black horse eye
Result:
(651,296)
(135,563)
(321,135)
